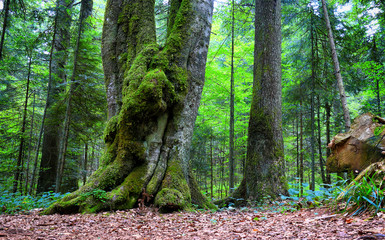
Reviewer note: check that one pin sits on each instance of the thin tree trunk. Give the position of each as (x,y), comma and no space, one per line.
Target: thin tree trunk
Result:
(301,150)
(231,153)
(30,145)
(5,23)
(321,160)
(85,12)
(52,129)
(297,145)
(328,152)
(376,60)
(211,167)
(85,162)
(31,189)
(312,185)
(22,133)
(337,70)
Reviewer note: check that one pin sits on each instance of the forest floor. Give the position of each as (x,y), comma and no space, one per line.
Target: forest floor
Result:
(316,223)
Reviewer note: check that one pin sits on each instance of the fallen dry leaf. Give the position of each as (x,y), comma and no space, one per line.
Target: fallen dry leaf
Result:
(149,224)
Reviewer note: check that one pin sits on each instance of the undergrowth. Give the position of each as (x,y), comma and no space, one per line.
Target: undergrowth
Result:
(365,196)
(13,203)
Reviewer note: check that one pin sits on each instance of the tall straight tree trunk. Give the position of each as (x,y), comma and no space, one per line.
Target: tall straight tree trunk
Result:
(328,151)
(301,150)
(153,97)
(211,167)
(85,163)
(27,175)
(337,70)
(52,134)
(321,160)
(231,153)
(5,23)
(376,60)
(265,176)
(20,161)
(85,12)
(312,144)
(297,145)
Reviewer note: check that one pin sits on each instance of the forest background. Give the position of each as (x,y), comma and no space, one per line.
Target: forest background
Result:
(312,113)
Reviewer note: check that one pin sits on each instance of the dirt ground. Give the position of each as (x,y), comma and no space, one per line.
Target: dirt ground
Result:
(316,223)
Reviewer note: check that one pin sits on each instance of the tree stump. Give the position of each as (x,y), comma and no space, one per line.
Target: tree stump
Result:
(361,146)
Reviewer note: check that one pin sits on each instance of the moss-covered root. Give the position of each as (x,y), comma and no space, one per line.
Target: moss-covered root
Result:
(177,194)
(125,196)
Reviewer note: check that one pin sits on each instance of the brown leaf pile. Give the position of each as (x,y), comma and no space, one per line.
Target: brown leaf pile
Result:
(149,224)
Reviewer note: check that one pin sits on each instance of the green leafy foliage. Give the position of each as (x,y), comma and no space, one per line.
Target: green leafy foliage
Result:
(12,203)
(325,194)
(97,194)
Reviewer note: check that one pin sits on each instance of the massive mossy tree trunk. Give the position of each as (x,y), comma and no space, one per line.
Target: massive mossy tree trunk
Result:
(54,115)
(153,96)
(264,175)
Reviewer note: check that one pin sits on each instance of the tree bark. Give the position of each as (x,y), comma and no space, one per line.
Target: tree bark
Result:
(313,73)
(85,163)
(20,161)
(5,22)
(337,70)
(231,140)
(27,177)
(54,115)
(264,176)
(328,152)
(301,150)
(321,159)
(376,59)
(153,97)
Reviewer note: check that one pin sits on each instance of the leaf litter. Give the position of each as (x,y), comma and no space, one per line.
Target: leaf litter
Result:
(148,223)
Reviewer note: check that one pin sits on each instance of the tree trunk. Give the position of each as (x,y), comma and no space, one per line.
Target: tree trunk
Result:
(211,167)
(231,140)
(85,12)
(149,131)
(301,151)
(321,159)
(85,162)
(5,22)
(376,60)
(328,113)
(27,177)
(20,161)
(337,70)
(312,143)
(54,115)
(265,175)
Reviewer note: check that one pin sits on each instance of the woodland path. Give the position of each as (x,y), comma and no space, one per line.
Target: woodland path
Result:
(307,224)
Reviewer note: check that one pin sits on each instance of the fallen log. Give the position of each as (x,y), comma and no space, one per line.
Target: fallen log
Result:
(361,146)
